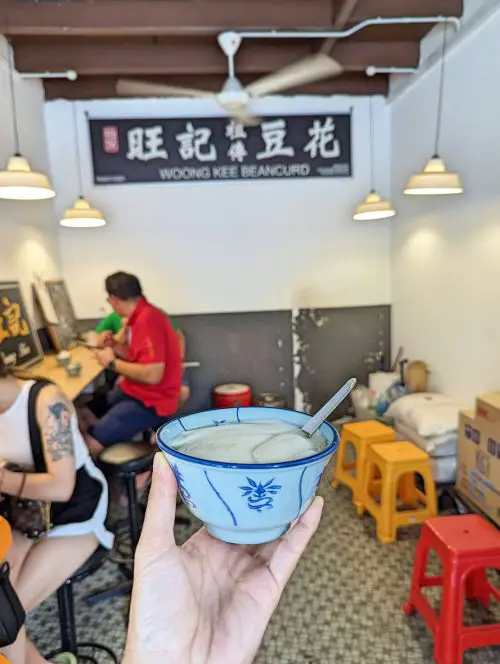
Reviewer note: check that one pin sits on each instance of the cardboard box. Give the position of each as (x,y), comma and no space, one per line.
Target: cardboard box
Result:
(478,468)
(488,407)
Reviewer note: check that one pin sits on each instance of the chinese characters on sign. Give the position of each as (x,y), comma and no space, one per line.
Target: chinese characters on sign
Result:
(197,149)
(12,324)
(18,339)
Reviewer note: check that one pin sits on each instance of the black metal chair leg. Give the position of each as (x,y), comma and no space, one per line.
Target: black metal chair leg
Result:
(120,589)
(182,520)
(69,642)
(133,514)
(92,646)
(67,617)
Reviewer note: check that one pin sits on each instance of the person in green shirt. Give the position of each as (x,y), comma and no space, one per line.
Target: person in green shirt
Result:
(112,323)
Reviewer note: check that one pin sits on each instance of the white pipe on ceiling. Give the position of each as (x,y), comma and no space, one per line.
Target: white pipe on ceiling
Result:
(371,71)
(341,34)
(70,74)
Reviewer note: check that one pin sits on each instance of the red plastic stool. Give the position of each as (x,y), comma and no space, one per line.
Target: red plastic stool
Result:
(467,546)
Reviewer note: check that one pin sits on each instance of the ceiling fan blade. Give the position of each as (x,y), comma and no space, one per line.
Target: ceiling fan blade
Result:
(130,88)
(308,70)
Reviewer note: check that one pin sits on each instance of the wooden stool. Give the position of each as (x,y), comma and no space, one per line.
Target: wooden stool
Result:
(466,546)
(397,464)
(361,435)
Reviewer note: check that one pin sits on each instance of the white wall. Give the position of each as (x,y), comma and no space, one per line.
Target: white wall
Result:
(446,250)
(28,230)
(213,247)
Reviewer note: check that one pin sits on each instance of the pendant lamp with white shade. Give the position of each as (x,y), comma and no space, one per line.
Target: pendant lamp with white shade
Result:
(436,179)
(18,182)
(82,214)
(374,206)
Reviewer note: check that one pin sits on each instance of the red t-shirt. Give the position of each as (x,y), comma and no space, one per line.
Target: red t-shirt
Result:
(153,340)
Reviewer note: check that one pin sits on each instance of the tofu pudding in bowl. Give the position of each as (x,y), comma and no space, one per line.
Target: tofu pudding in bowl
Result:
(247,473)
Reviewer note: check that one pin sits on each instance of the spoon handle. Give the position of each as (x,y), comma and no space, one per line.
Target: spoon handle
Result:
(310,427)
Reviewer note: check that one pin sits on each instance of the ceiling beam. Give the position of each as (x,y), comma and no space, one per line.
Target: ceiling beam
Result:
(402,8)
(135,57)
(196,17)
(159,17)
(342,16)
(103,87)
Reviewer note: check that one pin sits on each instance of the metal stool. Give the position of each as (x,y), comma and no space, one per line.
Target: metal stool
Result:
(125,461)
(65,601)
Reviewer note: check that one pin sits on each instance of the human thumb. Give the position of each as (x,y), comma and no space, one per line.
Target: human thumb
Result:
(158,529)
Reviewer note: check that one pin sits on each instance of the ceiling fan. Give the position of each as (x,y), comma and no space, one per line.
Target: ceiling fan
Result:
(234,98)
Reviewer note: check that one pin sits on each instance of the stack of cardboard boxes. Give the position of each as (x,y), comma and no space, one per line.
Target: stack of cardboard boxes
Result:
(478,473)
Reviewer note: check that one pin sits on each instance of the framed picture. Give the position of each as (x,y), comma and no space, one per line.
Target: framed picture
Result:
(19,340)
(58,313)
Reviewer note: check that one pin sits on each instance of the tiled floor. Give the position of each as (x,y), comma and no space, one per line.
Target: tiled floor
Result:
(342,606)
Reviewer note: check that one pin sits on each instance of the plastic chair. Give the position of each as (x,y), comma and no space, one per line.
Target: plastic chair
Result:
(397,464)
(466,546)
(361,435)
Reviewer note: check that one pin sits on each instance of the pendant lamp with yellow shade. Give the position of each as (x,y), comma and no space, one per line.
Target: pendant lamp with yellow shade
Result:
(81,214)
(374,206)
(18,182)
(436,179)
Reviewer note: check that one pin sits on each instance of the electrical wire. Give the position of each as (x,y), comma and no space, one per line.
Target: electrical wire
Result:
(77,150)
(441,91)
(372,151)
(13,97)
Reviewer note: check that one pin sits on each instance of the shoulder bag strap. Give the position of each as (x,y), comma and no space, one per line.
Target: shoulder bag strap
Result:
(34,429)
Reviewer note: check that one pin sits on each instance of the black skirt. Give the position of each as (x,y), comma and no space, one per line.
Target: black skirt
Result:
(82,504)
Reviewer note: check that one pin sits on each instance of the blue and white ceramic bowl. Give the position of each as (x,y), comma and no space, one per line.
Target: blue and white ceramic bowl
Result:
(245,503)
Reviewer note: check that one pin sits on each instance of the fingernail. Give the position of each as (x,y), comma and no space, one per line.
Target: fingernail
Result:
(159,462)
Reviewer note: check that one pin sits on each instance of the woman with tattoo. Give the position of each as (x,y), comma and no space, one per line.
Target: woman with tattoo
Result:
(39,431)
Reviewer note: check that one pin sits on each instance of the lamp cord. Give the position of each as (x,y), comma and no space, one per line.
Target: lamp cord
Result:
(13,97)
(372,166)
(77,151)
(441,91)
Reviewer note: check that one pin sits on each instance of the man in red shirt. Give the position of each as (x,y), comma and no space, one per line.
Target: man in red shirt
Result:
(148,364)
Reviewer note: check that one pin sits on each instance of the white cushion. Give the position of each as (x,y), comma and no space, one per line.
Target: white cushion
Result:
(428,413)
(401,408)
(436,446)
(444,469)
(436,419)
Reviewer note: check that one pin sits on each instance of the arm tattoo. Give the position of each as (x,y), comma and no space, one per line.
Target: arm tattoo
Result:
(58,434)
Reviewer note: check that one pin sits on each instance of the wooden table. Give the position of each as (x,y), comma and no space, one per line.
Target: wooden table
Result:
(72,386)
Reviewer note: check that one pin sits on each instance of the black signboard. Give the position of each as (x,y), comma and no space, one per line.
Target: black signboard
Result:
(19,341)
(66,330)
(201,149)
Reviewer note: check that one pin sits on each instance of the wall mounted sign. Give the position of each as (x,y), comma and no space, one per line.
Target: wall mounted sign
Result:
(58,313)
(219,149)
(19,341)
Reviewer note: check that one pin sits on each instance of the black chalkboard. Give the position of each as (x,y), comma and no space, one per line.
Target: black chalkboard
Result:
(66,330)
(19,341)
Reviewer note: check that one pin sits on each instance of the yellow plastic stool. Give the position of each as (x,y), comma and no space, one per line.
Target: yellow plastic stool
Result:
(361,435)
(398,463)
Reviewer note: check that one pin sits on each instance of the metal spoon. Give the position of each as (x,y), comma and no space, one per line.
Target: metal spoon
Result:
(317,420)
